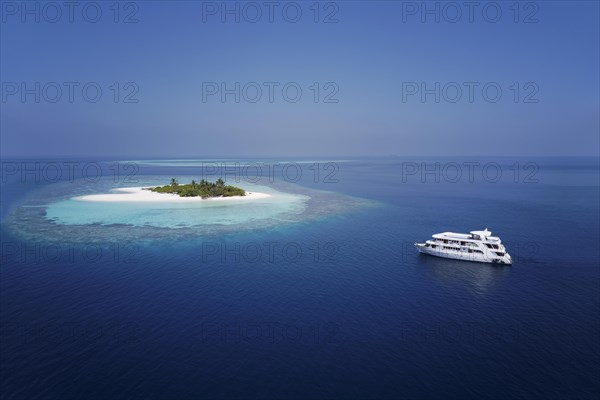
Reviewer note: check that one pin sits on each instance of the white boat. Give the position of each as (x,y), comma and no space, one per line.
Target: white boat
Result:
(478,246)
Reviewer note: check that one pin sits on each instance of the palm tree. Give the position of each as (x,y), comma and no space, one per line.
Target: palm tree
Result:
(220,182)
(173,182)
(193,183)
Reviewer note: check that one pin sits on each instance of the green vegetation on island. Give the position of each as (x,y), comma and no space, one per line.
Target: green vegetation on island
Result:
(203,189)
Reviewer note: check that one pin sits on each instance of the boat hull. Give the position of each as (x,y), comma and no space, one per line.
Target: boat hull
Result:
(463,255)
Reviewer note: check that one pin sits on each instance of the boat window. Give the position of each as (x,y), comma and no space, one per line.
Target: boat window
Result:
(489,246)
(433,246)
(501,254)
(476,237)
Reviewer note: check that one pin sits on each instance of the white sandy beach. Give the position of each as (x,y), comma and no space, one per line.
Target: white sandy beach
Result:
(138,194)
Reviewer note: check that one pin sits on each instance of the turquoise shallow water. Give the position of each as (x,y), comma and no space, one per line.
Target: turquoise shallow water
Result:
(54,213)
(177,214)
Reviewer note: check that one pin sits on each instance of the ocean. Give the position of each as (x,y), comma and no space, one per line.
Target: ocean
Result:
(317,294)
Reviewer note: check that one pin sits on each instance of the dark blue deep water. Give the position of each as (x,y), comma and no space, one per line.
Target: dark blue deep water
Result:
(341,306)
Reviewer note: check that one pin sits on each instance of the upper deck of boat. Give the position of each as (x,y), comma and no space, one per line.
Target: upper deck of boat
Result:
(474,236)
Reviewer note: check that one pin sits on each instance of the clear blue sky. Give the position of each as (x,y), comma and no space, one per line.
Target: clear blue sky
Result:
(375,55)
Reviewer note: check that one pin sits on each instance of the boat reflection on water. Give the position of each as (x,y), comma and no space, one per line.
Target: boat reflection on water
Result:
(479,277)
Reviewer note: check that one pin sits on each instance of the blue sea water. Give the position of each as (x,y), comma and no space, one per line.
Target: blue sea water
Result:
(327,300)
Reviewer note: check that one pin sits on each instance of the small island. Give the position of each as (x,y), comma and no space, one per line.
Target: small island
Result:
(204,189)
